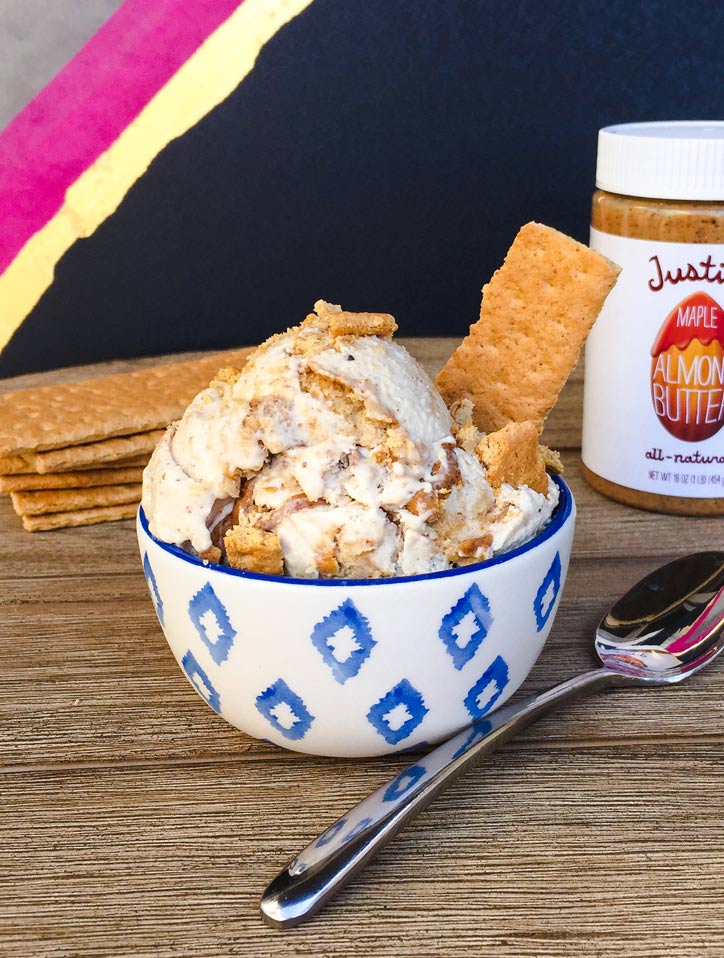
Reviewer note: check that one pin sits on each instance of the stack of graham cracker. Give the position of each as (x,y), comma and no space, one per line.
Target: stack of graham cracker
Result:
(73,454)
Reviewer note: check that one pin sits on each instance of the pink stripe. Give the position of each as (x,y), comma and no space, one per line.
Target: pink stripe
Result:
(84,109)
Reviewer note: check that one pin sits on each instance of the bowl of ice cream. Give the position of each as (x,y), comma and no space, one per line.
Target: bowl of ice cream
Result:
(348,560)
(360,666)
(332,559)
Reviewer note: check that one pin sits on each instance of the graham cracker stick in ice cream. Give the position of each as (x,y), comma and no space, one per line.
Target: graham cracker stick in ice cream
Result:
(536,313)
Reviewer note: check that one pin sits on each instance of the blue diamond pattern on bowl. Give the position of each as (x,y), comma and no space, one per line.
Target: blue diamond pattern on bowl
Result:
(200,681)
(403,783)
(488,689)
(284,710)
(547,594)
(208,614)
(398,712)
(344,640)
(153,588)
(465,626)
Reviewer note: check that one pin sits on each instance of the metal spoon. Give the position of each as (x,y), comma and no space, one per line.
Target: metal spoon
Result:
(664,629)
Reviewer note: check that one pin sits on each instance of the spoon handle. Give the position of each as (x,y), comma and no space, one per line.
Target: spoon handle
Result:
(325,866)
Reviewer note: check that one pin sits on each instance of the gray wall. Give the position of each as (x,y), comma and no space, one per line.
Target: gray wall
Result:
(37,37)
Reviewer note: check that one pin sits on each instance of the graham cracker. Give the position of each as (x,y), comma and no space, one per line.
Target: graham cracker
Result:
(468,436)
(79,517)
(254,550)
(94,453)
(20,466)
(141,460)
(343,323)
(44,501)
(512,455)
(212,554)
(51,417)
(13,465)
(552,460)
(70,480)
(536,313)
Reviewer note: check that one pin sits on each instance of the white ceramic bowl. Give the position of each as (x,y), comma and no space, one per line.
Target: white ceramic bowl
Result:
(359,667)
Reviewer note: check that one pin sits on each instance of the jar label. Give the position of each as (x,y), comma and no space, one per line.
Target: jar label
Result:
(654,383)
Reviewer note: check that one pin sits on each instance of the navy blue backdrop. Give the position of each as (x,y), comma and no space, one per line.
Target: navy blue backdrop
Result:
(381,154)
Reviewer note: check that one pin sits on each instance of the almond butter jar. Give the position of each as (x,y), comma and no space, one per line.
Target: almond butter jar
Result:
(653,408)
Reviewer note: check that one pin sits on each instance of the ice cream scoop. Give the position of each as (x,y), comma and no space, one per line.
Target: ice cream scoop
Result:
(331,454)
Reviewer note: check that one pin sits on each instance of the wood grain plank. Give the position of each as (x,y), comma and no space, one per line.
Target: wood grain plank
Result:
(136,822)
(602,855)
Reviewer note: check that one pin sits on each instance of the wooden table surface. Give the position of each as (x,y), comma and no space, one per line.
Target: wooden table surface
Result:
(136,822)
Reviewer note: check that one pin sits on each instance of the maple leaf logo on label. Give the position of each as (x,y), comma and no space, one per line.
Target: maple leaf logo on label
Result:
(687,369)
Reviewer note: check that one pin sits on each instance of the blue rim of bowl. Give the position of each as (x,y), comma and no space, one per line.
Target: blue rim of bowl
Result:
(560,515)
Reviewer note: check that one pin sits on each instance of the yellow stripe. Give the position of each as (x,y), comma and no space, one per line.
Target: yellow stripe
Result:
(208,77)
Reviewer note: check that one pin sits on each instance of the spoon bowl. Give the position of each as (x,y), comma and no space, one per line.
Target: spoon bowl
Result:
(669,625)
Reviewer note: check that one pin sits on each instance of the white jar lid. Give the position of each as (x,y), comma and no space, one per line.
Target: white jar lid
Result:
(668,161)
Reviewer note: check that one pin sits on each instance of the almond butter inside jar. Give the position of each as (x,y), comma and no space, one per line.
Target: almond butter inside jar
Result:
(653,409)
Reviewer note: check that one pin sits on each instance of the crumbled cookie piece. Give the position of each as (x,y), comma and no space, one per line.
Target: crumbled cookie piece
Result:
(311,340)
(361,324)
(552,460)
(446,473)
(343,400)
(320,316)
(325,310)
(425,504)
(468,436)
(212,554)
(327,565)
(254,550)
(462,411)
(402,448)
(512,455)
(227,374)
(477,548)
